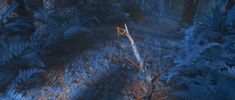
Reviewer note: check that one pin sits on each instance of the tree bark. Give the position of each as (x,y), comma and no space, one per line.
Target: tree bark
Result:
(229,5)
(189,12)
(21,8)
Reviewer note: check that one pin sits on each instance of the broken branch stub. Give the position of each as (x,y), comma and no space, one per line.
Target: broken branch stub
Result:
(125,32)
(136,53)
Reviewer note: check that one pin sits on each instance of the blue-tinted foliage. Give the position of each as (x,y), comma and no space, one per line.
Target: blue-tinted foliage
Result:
(8,12)
(13,95)
(25,75)
(206,59)
(17,50)
(197,63)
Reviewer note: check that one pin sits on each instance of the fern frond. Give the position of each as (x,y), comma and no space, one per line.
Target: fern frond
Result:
(11,93)
(12,49)
(25,75)
(22,77)
(8,12)
(33,59)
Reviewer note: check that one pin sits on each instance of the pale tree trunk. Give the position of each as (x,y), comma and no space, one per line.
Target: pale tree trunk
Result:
(137,55)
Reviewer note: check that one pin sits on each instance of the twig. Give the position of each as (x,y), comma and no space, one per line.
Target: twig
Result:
(134,64)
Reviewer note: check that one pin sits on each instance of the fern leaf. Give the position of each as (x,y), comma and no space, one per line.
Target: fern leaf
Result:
(11,93)
(13,49)
(33,59)
(25,75)
(9,11)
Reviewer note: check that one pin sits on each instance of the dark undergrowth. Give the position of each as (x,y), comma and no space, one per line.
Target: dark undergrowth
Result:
(58,49)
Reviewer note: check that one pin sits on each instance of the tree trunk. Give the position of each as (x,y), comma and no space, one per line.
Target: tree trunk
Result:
(21,8)
(229,5)
(189,12)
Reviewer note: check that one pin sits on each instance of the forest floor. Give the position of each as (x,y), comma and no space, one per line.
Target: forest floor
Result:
(110,72)
(76,53)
